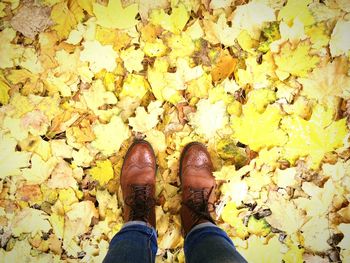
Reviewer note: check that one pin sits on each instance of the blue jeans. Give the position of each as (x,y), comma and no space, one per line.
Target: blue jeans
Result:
(136,242)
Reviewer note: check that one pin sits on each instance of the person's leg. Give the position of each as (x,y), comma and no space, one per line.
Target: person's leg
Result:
(204,241)
(208,243)
(135,242)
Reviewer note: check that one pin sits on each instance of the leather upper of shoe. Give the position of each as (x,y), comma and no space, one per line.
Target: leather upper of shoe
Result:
(198,186)
(138,182)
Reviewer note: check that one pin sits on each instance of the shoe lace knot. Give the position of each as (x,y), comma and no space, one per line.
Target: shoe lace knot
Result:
(199,205)
(140,202)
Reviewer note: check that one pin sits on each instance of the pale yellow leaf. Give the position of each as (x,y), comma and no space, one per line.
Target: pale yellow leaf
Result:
(146,120)
(99,56)
(114,15)
(110,136)
(31,221)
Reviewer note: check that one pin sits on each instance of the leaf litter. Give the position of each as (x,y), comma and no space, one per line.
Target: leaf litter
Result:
(264,84)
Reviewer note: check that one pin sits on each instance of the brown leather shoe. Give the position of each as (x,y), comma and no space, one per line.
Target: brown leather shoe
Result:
(137,180)
(198,185)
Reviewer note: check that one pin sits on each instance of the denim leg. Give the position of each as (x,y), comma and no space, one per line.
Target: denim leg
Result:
(136,242)
(208,243)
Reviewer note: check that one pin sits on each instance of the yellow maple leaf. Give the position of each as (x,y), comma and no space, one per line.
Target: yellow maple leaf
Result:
(160,81)
(40,170)
(261,250)
(294,254)
(181,45)
(97,96)
(235,189)
(293,33)
(315,137)
(297,62)
(257,127)
(99,56)
(114,15)
(258,227)
(30,61)
(318,35)
(8,52)
(231,215)
(132,59)
(256,74)
(103,172)
(285,215)
(209,118)
(174,22)
(327,82)
(31,221)
(297,9)
(134,86)
(246,17)
(66,16)
(316,233)
(11,161)
(157,140)
(110,136)
(199,87)
(82,157)
(145,121)
(220,32)
(320,198)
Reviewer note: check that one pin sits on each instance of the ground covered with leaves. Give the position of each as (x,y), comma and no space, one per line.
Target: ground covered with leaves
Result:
(265,84)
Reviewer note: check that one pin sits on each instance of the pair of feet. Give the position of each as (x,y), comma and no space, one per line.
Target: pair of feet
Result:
(138,177)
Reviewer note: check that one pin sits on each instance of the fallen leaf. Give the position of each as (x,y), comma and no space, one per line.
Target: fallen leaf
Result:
(263,250)
(297,62)
(296,9)
(316,233)
(174,22)
(30,19)
(146,6)
(30,220)
(109,137)
(225,65)
(62,176)
(114,15)
(340,40)
(220,32)
(144,121)
(65,23)
(11,161)
(327,82)
(103,172)
(308,139)
(132,59)
(284,214)
(246,17)
(266,132)
(209,118)
(99,56)
(8,52)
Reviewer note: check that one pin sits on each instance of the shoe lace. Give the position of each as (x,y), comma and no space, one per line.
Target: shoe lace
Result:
(199,205)
(140,202)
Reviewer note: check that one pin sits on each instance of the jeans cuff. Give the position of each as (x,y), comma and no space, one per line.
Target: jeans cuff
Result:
(201,225)
(140,223)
